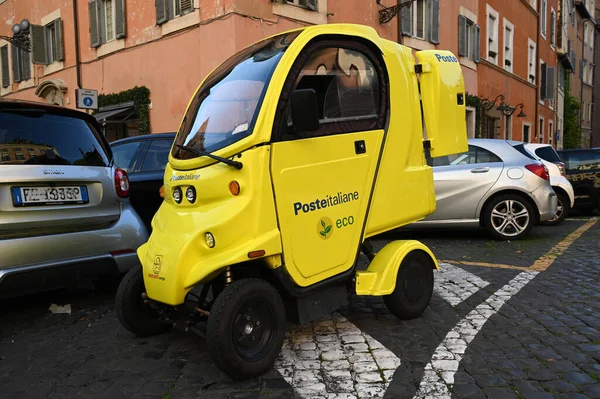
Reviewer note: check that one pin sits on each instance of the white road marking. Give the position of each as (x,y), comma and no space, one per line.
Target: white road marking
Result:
(455,285)
(439,373)
(333,359)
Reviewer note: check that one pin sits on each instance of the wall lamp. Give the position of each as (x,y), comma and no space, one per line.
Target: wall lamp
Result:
(511,110)
(487,104)
(388,13)
(20,36)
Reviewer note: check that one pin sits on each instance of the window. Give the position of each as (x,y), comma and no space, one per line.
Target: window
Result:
(492,35)
(583,110)
(584,71)
(310,4)
(468,38)
(553,28)
(526,133)
(47,43)
(550,131)
(543,12)
(157,156)
(541,137)
(167,10)
(591,37)
(508,127)
(107,20)
(508,45)
(126,154)
(21,63)
(547,81)
(422,20)
(561,77)
(531,57)
(475,155)
(4,66)
(590,111)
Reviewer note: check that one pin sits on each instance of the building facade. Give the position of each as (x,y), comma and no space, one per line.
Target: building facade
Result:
(595,140)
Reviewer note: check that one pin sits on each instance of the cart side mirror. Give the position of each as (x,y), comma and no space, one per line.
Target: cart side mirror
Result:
(305,110)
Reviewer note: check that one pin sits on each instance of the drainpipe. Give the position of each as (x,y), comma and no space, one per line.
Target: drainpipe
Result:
(537,133)
(76,30)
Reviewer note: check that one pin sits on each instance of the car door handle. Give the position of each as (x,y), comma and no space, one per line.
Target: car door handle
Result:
(360,147)
(480,170)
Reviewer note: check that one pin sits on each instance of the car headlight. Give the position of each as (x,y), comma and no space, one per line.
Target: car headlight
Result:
(190,194)
(210,240)
(177,195)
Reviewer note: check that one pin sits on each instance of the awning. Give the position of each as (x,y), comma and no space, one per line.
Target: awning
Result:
(116,113)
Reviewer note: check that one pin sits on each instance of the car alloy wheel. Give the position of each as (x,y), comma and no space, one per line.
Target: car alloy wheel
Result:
(510,218)
(562,210)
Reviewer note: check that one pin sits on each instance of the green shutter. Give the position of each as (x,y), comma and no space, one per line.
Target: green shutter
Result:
(407,20)
(15,64)
(162,11)
(434,21)
(26,64)
(5,66)
(477,45)
(94,14)
(39,47)
(59,51)
(187,6)
(310,4)
(120,19)
(462,36)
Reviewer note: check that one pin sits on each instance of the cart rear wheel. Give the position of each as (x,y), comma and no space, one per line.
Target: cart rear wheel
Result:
(414,287)
(132,312)
(246,328)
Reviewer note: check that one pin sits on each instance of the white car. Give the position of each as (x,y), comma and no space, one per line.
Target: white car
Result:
(562,187)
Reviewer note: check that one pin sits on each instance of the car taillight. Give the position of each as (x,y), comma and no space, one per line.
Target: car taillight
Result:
(561,167)
(122,183)
(539,170)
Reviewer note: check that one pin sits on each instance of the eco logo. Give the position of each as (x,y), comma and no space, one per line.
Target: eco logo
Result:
(325,228)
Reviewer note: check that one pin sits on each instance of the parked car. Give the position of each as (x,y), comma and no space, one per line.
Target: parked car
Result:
(582,167)
(497,185)
(560,184)
(64,206)
(144,158)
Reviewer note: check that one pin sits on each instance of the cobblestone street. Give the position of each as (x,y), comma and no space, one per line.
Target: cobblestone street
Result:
(507,320)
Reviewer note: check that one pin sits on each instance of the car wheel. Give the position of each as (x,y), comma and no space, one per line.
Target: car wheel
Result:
(246,328)
(135,315)
(508,217)
(414,287)
(562,210)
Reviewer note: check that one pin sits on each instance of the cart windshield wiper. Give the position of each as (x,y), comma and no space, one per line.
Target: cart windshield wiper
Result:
(235,164)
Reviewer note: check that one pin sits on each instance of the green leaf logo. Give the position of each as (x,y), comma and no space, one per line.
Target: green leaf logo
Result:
(325,228)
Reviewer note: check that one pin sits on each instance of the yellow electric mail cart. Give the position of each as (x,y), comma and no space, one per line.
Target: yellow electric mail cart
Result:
(290,156)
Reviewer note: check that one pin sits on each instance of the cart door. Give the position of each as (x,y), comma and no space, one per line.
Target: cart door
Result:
(324,157)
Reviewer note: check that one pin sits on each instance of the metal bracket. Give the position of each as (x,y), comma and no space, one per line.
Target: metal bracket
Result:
(388,13)
(21,42)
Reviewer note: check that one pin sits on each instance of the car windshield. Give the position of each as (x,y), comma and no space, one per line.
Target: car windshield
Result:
(226,107)
(33,137)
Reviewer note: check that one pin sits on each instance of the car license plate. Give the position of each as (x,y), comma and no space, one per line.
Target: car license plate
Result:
(63,195)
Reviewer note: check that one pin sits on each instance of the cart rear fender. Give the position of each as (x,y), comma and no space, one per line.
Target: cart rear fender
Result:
(380,277)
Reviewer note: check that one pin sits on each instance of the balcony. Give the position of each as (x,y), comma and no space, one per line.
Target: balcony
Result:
(567,56)
(584,8)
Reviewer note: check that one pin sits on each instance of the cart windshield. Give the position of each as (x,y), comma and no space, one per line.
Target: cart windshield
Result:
(226,107)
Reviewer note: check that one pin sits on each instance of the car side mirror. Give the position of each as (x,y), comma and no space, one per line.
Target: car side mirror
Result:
(305,110)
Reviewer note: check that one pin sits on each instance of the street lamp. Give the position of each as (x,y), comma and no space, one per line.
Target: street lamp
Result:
(487,104)
(20,36)
(388,13)
(511,110)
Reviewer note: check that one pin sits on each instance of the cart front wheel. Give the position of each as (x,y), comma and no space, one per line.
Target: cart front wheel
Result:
(414,287)
(132,312)
(246,328)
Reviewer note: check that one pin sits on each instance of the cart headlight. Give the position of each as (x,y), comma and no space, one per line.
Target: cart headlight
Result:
(177,195)
(190,194)
(210,240)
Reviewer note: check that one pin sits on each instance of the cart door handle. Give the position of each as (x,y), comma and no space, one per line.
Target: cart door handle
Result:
(360,147)
(480,170)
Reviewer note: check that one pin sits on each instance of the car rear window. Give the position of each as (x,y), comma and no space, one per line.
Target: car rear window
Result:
(547,154)
(35,137)
(521,148)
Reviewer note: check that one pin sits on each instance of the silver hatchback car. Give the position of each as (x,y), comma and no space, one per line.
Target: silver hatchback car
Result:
(496,184)
(64,206)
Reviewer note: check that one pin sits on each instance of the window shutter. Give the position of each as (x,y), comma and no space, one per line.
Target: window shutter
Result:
(5,66)
(59,40)
(549,83)
(120,18)
(38,44)
(552,29)
(187,6)
(434,21)
(162,11)
(26,64)
(94,14)
(543,82)
(477,49)
(407,20)
(15,64)
(462,36)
